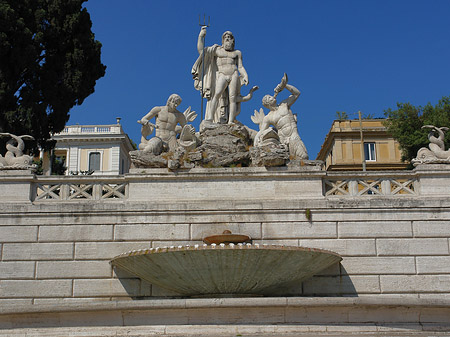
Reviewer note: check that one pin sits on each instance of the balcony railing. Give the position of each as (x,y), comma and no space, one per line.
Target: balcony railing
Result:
(80,188)
(91,129)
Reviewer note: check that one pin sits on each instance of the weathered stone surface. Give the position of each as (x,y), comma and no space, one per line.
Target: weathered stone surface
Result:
(18,233)
(343,285)
(105,250)
(270,155)
(379,265)
(35,288)
(111,287)
(142,159)
(373,229)
(17,270)
(37,251)
(431,228)
(379,236)
(351,247)
(72,269)
(75,233)
(436,246)
(223,145)
(433,265)
(415,283)
(299,230)
(152,232)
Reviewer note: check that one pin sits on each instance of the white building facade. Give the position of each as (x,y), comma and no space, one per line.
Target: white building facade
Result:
(103,149)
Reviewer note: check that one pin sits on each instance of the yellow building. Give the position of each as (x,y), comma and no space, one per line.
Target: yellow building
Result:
(341,150)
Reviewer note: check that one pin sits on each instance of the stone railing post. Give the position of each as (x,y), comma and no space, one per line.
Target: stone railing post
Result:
(434,179)
(97,191)
(386,186)
(65,192)
(353,187)
(16,186)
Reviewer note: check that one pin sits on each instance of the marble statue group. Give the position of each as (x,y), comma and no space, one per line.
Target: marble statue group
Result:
(219,74)
(168,139)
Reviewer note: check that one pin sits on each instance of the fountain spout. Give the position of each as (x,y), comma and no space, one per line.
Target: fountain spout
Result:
(227,237)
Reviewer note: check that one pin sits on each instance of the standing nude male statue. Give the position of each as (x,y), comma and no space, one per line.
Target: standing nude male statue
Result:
(223,77)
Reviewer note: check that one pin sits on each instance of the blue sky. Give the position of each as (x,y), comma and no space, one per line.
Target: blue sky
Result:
(342,55)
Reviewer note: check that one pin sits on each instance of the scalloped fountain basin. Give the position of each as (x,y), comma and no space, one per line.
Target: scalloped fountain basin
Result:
(225,269)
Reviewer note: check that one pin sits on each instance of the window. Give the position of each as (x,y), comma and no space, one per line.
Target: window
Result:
(94,161)
(369,151)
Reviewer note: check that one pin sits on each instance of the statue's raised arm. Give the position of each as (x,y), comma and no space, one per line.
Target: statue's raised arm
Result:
(295,93)
(201,40)
(282,119)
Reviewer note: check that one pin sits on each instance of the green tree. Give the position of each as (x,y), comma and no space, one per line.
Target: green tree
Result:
(368,116)
(341,115)
(49,62)
(405,124)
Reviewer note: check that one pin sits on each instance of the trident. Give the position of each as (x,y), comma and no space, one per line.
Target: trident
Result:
(203,56)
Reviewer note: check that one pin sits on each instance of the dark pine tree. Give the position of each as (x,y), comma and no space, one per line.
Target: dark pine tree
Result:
(49,62)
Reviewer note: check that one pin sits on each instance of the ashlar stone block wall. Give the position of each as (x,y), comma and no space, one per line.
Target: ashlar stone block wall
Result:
(53,251)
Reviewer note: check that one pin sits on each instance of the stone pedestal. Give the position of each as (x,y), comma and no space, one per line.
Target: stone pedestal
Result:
(434,179)
(15,185)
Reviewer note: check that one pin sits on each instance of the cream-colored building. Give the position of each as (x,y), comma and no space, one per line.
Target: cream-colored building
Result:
(341,149)
(103,149)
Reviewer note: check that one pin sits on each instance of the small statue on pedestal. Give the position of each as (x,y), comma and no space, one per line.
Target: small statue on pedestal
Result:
(436,154)
(14,157)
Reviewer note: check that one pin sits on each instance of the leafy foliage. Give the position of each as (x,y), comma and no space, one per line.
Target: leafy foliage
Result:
(405,124)
(58,167)
(49,62)
(341,115)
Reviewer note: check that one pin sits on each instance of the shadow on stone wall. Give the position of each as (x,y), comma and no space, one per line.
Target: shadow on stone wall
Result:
(136,288)
(333,281)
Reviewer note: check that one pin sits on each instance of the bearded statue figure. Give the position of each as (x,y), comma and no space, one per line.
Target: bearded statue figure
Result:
(219,74)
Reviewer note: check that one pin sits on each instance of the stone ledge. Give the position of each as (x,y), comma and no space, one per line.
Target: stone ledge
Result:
(368,330)
(319,203)
(242,302)
(223,171)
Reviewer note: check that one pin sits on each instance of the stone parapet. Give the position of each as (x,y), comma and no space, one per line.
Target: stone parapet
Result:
(238,183)
(248,316)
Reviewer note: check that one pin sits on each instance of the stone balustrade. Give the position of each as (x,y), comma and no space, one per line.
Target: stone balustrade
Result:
(90,129)
(225,183)
(79,188)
